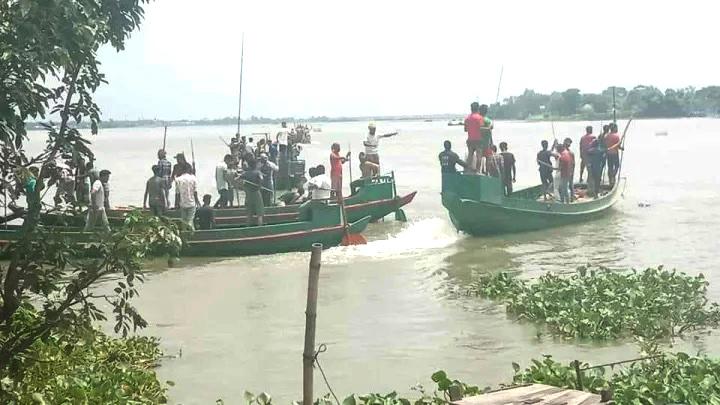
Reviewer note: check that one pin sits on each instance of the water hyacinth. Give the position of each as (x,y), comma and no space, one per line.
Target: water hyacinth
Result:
(603,304)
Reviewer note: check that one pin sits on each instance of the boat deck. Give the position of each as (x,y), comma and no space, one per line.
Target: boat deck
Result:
(536,394)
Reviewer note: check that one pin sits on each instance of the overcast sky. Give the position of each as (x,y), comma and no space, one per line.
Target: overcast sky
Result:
(341,58)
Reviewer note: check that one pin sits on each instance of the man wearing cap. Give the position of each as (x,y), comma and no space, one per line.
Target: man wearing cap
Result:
(372,143)
(96,213)
(165,173)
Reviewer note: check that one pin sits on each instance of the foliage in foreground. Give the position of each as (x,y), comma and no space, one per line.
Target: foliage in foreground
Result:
(668,379)
(603,304)
(81,365)
(659,379)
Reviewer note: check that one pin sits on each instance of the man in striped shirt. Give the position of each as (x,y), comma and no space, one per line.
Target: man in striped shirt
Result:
(164,172)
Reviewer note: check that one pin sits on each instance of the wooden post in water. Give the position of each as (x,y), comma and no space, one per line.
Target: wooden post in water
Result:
(310,317)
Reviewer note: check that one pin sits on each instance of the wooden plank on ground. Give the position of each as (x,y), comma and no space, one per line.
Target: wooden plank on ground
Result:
(535,394)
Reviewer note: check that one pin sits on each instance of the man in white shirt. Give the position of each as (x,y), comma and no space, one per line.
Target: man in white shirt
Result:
(186,186)
(96,214)
(282,137)
(221,181)
(250,147)
(319,185)
(372,143)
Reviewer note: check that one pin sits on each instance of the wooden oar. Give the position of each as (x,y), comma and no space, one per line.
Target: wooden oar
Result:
(348,239)
(350,166)
(622,148)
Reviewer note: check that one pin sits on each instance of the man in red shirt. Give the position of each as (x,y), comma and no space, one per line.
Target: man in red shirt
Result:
(612,143)
(477,127)
(336,162)
(566,166)
(585,145)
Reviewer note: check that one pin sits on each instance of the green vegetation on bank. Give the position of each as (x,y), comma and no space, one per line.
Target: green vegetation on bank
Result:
(639,102)
(80,365)
(671,378)
(571,104)
(604,304)
(659,378)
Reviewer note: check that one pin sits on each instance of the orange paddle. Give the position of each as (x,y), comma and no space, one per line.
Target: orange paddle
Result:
(348,238)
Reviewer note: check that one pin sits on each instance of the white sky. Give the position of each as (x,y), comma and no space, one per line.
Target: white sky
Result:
(389,57)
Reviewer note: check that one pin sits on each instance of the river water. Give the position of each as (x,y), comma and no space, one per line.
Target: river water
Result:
(389,311)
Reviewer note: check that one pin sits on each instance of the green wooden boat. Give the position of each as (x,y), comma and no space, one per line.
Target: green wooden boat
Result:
(478,206)
(317,223)
(375,197)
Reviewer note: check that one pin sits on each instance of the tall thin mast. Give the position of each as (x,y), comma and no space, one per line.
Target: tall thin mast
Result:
(614,108)
(242,52)
(497,95)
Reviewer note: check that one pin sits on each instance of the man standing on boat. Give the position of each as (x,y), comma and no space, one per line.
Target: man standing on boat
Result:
(268,170)
(477,127)
(585,144)
(186,192)
(449,159)
(565,165)
(596,164)
(336,162)
(612,143)
(222,175)
(545,168)
(509,171)
(251,182)
(155,193)
(372,143)
(282,138)
(567,142)
(182,166)
(96,213)
(165,172)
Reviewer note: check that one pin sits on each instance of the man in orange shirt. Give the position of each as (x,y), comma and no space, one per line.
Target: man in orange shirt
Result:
(612,143)
(478,141)
(585,145)
(336,162)
(566,166)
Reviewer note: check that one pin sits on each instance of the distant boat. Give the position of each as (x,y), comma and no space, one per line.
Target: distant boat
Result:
(428,120)
(453,123)
(661,133)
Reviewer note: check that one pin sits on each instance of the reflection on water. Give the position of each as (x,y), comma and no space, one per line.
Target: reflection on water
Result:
(390,311)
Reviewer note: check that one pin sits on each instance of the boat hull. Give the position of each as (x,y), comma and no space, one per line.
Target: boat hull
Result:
(320,223)
(476,206)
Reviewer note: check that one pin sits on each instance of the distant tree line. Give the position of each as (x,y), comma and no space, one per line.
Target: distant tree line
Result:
(640,101)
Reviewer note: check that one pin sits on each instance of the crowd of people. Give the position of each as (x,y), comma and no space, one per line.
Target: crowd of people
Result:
(78,184)
(252,167)
(556,164)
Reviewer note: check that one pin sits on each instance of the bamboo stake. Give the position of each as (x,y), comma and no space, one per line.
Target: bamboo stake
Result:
(310,317)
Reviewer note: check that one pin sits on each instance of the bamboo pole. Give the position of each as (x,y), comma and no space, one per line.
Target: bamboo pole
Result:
(310,317)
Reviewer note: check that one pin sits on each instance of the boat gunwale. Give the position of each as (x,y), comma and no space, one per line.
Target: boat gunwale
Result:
(603,203)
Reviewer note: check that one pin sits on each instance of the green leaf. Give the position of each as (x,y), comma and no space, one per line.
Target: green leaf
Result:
(439,376)
(349,400)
